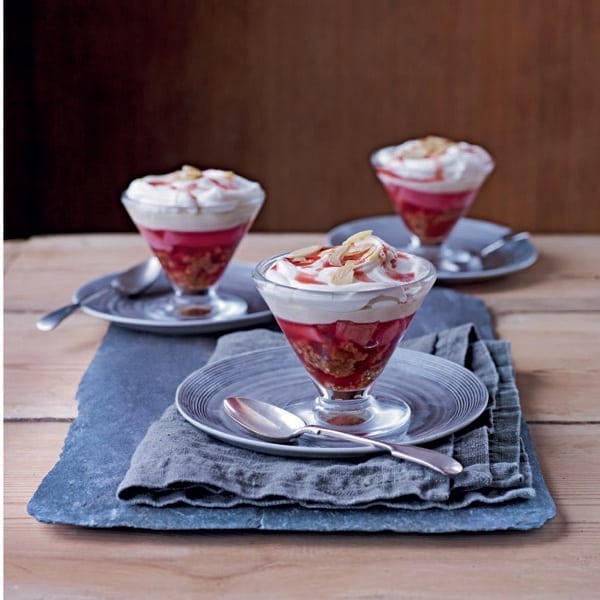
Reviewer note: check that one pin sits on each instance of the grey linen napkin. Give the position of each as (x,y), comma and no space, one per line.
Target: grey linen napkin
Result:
(176,463)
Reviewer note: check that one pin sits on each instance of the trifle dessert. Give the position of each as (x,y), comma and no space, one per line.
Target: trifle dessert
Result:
(431,182)
(343,310)
(193,221)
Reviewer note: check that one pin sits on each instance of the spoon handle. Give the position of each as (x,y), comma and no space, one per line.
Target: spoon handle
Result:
(437,461)
(56,317)
(506,239)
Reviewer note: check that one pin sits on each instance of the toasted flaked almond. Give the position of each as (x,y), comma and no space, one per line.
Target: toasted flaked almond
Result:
(302,252)
(357,237)
(229,175)
(373,256)
(427,147)
(344,275)
(189,172)
(434,144)
(414,150)
(336,254)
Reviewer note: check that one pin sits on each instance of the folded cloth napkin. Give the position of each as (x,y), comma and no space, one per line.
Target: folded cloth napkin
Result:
(176,463)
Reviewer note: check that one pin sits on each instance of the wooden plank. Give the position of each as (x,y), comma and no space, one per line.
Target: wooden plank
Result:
(566,277)
(559,560)
(557,357)
(556,360)
(70,345)
(49,269)
(11,250)
(42,370)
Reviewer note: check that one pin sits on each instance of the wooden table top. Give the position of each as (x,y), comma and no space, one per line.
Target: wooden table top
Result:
(551,314)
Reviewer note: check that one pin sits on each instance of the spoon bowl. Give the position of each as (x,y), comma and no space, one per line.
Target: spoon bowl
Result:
(138,278)
(276,424)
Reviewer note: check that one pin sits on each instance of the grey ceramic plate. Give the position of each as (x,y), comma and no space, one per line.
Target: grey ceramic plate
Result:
(469,234)
(128,312)
(443,396)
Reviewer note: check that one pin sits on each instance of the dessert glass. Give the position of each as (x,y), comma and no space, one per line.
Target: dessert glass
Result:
(432,183)
(344,339)
(193,223)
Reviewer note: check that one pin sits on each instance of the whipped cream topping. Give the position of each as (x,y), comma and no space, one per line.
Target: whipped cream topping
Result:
(193,200)
(362,262)
(362,280)
(433,164)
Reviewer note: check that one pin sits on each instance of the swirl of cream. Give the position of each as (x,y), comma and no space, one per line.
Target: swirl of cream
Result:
(193,200)
(194,190)
(434,164)
(362,262)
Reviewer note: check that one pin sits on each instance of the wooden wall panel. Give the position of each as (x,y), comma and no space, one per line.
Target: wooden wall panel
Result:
(297,93)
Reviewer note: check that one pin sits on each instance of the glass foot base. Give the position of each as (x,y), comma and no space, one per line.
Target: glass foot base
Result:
(374,417)
(210,306)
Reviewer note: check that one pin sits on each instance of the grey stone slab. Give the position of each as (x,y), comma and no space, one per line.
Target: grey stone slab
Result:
(132,380)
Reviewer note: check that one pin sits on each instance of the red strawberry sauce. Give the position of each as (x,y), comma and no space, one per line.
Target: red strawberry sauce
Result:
(194,260)
(430,216)
(344,355)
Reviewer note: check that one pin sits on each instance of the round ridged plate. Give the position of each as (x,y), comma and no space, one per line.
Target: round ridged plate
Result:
(443,396)
(130,312)
(469,234)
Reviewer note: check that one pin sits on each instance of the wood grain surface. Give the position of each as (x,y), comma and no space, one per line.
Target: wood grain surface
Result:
(297,94)
(551,315)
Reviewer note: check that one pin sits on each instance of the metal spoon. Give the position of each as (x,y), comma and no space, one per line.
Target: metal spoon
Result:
(509,238)
(276,424)
(129,283)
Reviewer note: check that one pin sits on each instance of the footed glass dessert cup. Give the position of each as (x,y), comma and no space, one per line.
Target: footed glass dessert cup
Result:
(343,310)
(432,183)
(193,222)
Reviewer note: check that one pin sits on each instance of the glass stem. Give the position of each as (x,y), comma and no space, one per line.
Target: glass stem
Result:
(343,408)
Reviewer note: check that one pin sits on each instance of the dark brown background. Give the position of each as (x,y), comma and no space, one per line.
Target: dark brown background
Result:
(296,94)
